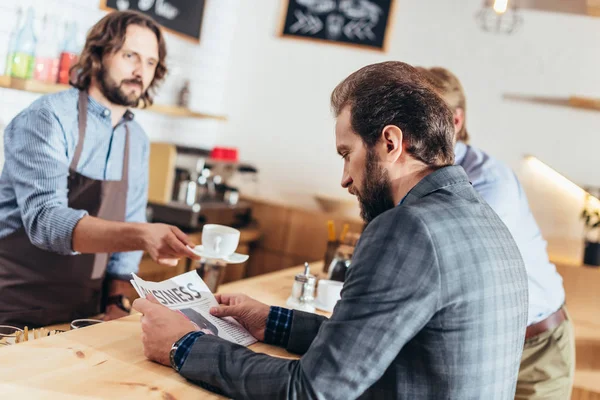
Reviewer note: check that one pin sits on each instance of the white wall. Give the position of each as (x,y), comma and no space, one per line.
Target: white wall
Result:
(205,65)
(276,93)
(278,96)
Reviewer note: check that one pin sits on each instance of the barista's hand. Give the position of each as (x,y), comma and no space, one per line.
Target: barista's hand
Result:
(250,313)
(166,244)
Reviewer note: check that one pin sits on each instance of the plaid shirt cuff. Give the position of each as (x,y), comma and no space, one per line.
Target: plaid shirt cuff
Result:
(184,348)
(279,325)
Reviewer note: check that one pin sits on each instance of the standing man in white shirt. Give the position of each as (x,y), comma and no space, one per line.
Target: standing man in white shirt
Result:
(548,361)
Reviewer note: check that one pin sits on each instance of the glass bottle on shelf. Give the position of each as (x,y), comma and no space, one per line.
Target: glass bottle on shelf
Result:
(183,99)
(69,53)
(12,43)
(47,54)
(23,58)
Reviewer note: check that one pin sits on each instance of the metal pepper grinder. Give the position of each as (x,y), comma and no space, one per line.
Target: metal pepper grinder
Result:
(303,291)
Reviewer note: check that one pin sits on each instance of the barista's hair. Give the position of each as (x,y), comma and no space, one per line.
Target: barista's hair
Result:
(107,37)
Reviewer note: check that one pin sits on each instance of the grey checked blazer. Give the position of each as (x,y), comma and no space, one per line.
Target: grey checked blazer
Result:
(434,307)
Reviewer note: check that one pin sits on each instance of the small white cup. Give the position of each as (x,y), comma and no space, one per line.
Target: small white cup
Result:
(328,294)
(219,240)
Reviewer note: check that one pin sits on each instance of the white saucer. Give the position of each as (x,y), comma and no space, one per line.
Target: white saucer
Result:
(322,307)
(235,258)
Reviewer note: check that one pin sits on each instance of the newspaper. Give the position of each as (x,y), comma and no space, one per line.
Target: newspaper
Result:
(188,294)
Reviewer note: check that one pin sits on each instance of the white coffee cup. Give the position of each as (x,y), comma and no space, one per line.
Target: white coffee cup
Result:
(219,240)
(328,294)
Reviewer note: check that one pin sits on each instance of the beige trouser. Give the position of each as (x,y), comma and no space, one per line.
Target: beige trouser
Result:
(548,364)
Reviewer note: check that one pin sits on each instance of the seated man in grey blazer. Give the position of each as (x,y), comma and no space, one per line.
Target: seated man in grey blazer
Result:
(435,303)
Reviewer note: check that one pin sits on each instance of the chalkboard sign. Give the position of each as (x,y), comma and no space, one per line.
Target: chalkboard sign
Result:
(183,17)
(353,22)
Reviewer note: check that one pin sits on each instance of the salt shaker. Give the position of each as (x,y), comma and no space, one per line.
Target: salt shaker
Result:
(303,291)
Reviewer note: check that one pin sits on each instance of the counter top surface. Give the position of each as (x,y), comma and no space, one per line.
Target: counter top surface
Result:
(107,360)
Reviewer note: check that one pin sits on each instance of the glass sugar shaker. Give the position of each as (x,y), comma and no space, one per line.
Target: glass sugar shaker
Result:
(303,291)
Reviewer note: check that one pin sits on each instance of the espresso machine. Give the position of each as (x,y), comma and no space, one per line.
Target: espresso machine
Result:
(190,187)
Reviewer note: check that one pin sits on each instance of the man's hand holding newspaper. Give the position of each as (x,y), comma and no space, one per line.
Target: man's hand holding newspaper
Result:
(161,326)
(252,314)
(177,306)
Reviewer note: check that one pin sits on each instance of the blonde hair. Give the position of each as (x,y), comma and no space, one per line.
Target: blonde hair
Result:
(449,87)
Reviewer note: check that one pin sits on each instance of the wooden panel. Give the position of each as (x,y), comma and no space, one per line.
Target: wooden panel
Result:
(264,261)
(4,81)
(579,7)
(584,103)
(36,87)
(176,111)
(291,236)
(162,172)
(308,235)
(558,6)
(593,8)
(584,394)
(154,272)
(274,224)
(235,272)
(582,287)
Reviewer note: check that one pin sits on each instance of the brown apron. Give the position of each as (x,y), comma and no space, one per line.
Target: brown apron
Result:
(38,287)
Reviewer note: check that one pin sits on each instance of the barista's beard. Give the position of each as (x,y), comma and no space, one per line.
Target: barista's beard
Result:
(115,93)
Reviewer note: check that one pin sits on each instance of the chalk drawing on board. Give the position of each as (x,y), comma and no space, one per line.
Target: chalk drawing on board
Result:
(355,22)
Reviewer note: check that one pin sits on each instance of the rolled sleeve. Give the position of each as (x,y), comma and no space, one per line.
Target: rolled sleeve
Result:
(38,167)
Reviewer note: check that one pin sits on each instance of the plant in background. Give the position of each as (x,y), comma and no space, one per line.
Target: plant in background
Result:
(591,218)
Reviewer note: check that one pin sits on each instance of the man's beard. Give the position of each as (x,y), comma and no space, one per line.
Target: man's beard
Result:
(375,197)
(114,93)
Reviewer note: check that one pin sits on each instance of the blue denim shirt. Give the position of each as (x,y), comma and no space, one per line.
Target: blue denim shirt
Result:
(39,144)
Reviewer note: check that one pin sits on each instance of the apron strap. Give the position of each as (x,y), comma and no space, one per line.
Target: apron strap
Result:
(82,106)
(125,172)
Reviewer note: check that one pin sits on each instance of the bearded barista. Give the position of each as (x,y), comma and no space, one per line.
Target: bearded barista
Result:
(73,191)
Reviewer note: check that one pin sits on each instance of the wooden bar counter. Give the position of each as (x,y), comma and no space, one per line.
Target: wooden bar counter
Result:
(107,360)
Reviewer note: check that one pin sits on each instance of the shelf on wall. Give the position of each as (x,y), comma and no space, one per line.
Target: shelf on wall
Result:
(585,103)
(176,111)
(47,88)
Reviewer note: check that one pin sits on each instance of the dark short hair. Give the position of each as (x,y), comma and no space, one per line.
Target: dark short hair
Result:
(108,36)
(395,93)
